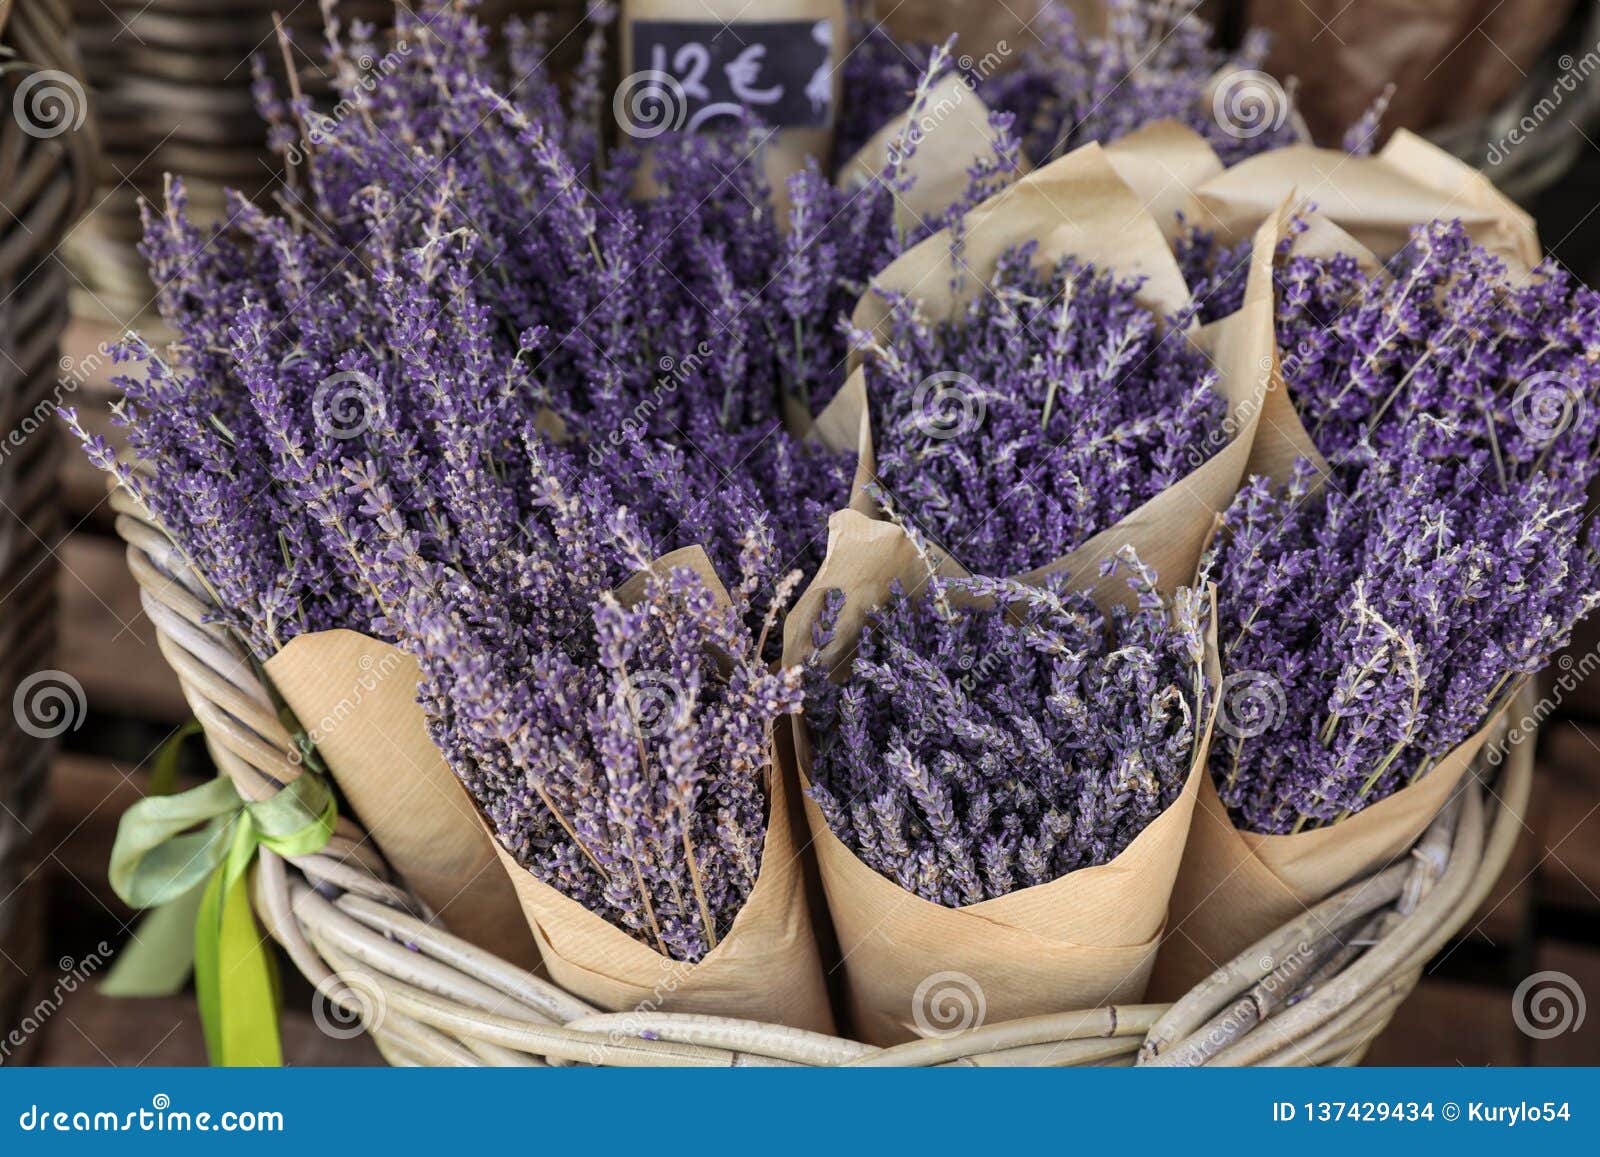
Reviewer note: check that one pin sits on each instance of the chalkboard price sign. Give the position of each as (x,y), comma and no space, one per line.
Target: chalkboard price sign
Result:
(691,74)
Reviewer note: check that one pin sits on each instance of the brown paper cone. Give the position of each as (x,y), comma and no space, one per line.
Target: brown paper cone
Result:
(1375,199)
(786,151)
(1235,886)
(1081,206)
(766,968)
(357,700)
(1163,162)
(954,135)
(1081,941)
(1076,206)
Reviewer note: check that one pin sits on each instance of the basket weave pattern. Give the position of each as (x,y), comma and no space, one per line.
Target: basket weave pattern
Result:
(1316,991)
(45,182)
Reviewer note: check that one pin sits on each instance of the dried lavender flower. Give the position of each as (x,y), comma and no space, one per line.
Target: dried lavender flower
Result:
(1045,411)
(1369,627)
(990,736)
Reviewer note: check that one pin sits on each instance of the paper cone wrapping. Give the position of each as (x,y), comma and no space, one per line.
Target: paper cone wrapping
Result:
(786,151)
(357,700)
(1375,199)
(953,134)
(1086,939)
(1082,206)
(1163,162)
(1237,886)
(766,968)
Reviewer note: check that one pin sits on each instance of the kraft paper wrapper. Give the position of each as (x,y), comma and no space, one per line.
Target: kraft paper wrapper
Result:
(376,745)
(955,136)
(766,968)
(1236,886)
(786,151)
(1375,199)
(1086,939)
(1163,162)
(1080,206)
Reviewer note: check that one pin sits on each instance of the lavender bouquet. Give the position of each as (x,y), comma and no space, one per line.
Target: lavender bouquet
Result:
(976,748)
(1453,407)
(1368,633)
(372,419)
(1066,88)
(1050,408)
(975,752)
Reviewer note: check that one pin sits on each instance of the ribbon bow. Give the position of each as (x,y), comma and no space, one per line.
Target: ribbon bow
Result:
(160,862)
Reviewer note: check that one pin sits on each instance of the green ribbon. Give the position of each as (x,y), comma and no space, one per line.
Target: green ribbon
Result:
(161,861)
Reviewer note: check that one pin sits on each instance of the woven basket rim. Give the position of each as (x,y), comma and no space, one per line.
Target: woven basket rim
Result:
(373,951)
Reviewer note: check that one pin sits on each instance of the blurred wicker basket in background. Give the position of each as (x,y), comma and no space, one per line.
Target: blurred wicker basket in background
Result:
(47,147)
(172,81)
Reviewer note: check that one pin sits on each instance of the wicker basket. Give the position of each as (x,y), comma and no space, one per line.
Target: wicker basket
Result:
(45,182)
(172,81)
(1314,992)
